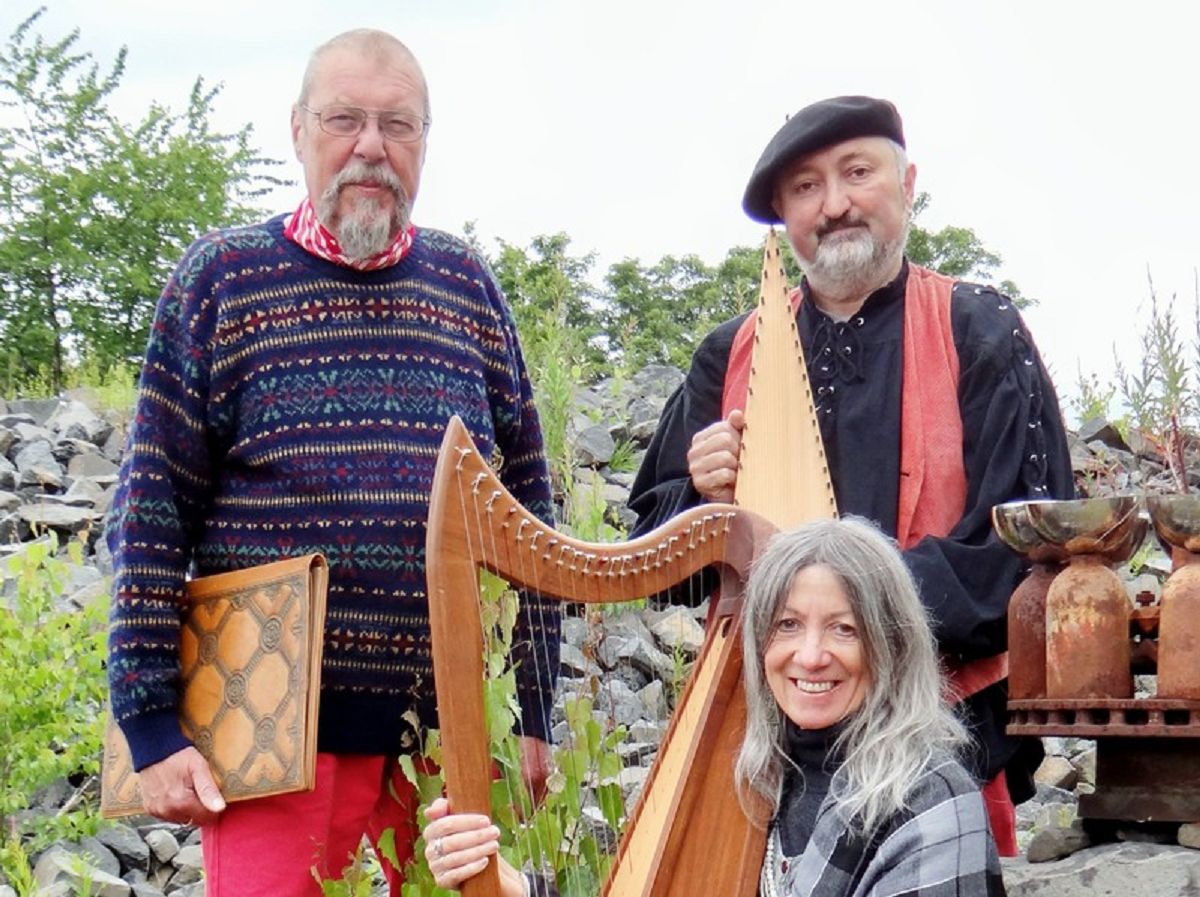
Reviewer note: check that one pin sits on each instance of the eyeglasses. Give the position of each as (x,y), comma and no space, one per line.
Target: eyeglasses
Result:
(348,121)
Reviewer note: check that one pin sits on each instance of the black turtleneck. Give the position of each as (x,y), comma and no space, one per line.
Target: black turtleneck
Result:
(806,784)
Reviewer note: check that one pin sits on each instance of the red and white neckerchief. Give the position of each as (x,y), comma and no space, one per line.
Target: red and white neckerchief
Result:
(303,229)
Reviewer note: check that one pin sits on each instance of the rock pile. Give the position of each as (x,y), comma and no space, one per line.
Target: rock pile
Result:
(123,861)
(58,467)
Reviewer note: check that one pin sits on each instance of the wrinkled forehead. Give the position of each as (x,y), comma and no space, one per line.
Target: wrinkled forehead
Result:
(876,150)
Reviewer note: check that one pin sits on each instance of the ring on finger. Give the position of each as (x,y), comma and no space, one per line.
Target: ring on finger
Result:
(438,851)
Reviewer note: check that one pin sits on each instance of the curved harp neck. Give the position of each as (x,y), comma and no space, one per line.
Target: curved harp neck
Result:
(474,517)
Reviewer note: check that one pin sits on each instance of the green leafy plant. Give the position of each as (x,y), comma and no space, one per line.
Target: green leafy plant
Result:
(552,354)
(681,670)
(115,385)
(624,457)
(52,689)
(358,878)
(586,510)
(15,866)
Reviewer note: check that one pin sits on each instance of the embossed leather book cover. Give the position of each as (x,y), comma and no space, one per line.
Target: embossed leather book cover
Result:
(250,658)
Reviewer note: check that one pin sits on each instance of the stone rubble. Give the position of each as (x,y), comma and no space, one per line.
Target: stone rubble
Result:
(58,469)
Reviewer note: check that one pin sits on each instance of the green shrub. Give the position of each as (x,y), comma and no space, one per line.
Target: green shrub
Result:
(115,386)
(52,688)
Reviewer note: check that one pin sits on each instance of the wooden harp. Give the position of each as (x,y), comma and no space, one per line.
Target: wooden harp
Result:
(474,523)
(688,834)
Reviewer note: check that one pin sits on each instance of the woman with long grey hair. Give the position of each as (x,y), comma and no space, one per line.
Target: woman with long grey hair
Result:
(849,738)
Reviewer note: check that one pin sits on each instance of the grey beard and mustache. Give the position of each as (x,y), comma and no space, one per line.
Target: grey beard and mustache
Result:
(854,265)
(366,229)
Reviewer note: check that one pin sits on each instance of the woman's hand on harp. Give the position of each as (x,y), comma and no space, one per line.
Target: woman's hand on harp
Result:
(458,846)
(713,457)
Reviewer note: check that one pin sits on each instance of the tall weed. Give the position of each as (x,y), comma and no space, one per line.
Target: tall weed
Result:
(1159,393)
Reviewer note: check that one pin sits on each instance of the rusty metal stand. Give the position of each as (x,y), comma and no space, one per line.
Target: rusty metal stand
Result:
(1147,752)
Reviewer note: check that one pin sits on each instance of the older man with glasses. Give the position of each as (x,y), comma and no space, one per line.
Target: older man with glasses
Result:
(299,376)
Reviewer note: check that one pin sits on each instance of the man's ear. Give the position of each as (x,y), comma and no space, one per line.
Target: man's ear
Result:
(775,204)
(910,182)
(297,127)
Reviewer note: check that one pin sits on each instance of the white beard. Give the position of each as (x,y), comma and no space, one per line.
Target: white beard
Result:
(367,229)
(853,264)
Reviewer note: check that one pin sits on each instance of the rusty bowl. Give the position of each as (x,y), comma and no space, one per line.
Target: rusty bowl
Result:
(1111,527)
(1176,520)
(1012,525)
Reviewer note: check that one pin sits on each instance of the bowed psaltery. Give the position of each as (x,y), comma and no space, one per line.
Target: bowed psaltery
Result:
(688,834)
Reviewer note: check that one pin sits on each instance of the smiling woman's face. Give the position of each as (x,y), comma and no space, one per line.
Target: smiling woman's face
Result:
(814,663)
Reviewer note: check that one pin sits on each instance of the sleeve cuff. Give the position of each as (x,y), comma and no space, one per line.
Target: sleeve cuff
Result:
(535,715)
(153,737)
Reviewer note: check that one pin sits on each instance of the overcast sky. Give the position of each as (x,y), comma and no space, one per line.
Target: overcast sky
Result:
(1068,138)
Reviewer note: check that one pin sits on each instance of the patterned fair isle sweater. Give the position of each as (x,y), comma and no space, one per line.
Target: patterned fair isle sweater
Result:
(289,405)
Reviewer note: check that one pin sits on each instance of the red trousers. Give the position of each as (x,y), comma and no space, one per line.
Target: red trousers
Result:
(273,846)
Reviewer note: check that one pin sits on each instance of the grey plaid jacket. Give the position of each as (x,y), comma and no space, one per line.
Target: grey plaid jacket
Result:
(939,846)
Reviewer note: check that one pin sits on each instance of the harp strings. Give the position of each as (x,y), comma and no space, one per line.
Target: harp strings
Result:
(528,572)
(497,535)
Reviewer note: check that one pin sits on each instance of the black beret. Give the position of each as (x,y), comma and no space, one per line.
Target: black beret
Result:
(814,128)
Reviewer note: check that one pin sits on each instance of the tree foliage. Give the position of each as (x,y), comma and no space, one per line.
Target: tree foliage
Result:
(659,314)
(94,211)
(551,296)
(956,252)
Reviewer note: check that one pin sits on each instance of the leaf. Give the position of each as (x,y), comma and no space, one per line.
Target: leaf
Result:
(556,782)
(612,805)
(387,847)
(408,768)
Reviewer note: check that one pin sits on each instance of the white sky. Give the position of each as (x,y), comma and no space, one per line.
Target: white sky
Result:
(1068,138)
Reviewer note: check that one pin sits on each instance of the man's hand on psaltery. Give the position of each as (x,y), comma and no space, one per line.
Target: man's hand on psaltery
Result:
(713,457)
(180,788)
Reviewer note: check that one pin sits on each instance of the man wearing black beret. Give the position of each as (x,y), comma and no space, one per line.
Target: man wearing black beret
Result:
(932,400)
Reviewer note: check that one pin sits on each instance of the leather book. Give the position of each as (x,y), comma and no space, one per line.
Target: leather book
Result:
(250,662)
